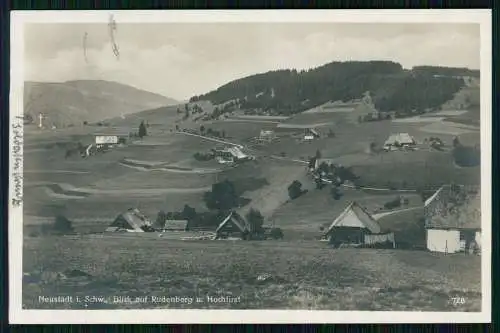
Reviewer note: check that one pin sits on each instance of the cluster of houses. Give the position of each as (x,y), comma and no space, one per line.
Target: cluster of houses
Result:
(452,224)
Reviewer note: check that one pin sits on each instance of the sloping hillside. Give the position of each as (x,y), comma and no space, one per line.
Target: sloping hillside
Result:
(391,87)
(73,102)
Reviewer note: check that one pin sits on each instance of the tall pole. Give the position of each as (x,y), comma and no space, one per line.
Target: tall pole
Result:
(40,117)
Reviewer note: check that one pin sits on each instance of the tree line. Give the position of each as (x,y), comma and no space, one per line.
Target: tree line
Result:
(290,91)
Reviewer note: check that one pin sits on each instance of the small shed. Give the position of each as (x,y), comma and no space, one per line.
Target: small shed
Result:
(175,225)
(356,226)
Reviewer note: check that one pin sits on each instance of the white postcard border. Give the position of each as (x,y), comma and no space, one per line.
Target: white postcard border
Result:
(19,316)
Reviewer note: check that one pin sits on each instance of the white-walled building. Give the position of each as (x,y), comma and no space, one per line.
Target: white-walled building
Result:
(453,220)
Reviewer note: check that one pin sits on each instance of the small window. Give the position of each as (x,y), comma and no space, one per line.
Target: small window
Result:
(462,235)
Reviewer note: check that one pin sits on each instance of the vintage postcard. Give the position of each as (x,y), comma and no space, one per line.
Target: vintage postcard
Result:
(250,166)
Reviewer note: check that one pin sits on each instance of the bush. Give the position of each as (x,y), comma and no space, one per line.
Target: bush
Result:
(223,196)
(142,130)
(256,220)
(160,219)
(188,213)
(295,190)
(393,204)
(335,193)
(62,225)
(276,233)
(466,156)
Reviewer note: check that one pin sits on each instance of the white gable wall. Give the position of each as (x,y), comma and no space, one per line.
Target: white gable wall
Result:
(478,238)
(443,240)
(350,219)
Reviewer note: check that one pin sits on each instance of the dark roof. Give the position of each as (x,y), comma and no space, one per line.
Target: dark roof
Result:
(132,219)
(237,220)
(355,216)
(454,207)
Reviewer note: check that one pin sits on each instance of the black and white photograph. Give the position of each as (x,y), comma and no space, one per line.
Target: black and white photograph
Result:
(289,165)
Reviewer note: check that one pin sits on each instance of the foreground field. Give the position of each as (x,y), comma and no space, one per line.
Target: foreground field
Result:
(301,275)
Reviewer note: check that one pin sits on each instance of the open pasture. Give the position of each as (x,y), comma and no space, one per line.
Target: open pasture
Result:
(414,170)
(318,208)
(95,207)
(303,275)
(240,130)
(318,119)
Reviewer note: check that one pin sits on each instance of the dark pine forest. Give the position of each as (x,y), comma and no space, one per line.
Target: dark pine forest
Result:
(391,87)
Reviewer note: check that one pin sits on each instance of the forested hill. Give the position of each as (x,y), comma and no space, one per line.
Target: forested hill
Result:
(391,87)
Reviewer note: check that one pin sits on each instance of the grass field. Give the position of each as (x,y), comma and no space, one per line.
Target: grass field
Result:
(303,275)
(317,208)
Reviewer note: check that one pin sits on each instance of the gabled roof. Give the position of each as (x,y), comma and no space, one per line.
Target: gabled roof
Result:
(402,138)
(354,216)
(453,207)
(236,152)
(132,219)
(236,220)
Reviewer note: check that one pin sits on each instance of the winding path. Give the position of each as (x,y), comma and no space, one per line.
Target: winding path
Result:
(397,211)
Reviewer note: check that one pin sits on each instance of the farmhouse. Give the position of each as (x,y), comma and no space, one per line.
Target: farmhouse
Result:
(396,141)
(233,226)
(175,225)
(355,226)
(267,136)
(230,155)
(130,221)
(109,138)
(311,134)
(453,220)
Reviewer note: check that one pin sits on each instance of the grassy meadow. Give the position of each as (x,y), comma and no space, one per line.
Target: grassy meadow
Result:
(302,275)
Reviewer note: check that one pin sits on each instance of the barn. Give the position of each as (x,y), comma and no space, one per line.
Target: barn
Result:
(233,226)
(356,226)
(110,138)
(175,225)
(396,141)
(453,220)
(130,221)
(230,155)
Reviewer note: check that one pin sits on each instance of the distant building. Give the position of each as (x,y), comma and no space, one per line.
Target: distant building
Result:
(175,225)
(267,136)
(230,155)
(356,226)
(233,225)
(101,139)
(311,134)
(130,221)
(453,220)
(400,140)
(108,139)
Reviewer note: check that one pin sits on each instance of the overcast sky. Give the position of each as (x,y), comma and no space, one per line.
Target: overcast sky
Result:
(182,60)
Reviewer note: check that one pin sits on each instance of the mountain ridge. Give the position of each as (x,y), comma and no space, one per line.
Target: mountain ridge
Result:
(75,102)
